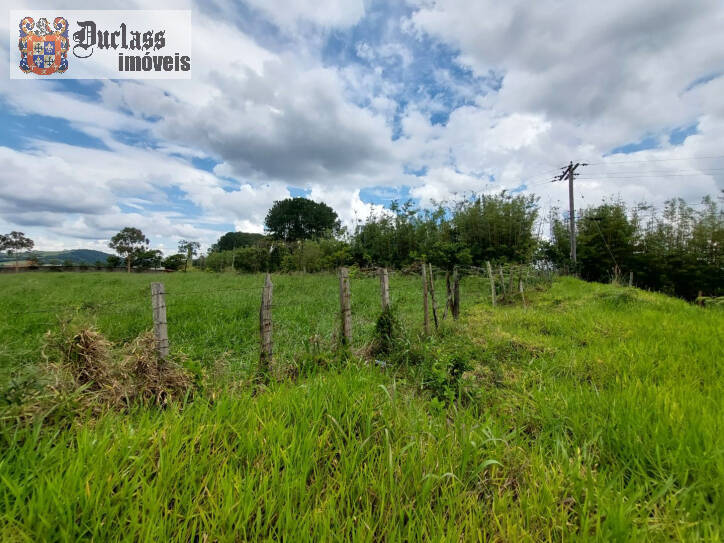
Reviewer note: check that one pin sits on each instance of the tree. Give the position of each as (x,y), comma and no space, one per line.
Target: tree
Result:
(299,219)
(129,243)
(236,240)
(148,259)
(114,261)
(497,227)
(190,249)
(14,242)
(677,250)
(174,262)
(605,239)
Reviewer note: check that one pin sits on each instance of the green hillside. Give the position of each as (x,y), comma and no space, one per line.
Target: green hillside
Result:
(76,256)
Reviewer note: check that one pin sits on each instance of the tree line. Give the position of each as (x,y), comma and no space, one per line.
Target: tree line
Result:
(307,236)
(676,249)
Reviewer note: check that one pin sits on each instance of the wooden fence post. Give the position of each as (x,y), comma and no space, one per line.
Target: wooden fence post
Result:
(345,306)
(448,294)
(426,315)
(492,282)
(431,282)
(502,281)
(385,288)
(520,287)
(456,294)
(265,324)
(630,279)
(160,325)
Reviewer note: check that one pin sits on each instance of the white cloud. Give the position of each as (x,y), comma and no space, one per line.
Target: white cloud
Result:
(75,192)
(285,115)
(326,13)
(285,124)
(346,202)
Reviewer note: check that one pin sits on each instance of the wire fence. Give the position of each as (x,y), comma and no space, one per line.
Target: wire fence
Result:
(205,323)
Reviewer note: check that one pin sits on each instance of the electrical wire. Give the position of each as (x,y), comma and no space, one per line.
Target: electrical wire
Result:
(655,160)
(605,243)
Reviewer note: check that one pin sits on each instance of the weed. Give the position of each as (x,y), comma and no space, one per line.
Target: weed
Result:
(387,332)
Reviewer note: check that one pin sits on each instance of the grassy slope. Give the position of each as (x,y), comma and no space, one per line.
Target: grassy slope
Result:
(598,413)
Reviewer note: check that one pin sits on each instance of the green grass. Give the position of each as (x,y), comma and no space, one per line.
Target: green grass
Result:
(594,413)
(210,315)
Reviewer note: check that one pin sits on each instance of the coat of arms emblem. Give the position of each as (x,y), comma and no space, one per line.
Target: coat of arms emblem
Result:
(43,50)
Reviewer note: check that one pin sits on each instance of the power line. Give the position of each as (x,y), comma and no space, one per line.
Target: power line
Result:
(541,183)
(605,242)
(661,172)
(644,176)
(656,160)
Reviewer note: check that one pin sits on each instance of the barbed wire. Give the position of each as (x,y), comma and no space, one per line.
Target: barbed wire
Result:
(100,309)
(91,305)
(207,291)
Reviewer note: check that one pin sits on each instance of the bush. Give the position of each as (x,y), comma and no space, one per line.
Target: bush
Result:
(174,262)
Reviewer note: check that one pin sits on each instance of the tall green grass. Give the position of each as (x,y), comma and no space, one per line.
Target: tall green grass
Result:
(594,413)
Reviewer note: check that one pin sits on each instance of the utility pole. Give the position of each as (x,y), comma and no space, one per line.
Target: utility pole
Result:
(570,172)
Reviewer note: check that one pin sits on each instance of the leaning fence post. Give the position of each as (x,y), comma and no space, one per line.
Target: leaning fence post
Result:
(265,324)
(492,282)
(385,288)
(160,325)
(426,316)
(456,294)
(345,306)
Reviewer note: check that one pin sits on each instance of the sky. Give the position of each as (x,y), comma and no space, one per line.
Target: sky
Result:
(358,103)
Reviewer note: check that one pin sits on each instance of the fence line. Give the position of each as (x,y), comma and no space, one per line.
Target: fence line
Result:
(388,298)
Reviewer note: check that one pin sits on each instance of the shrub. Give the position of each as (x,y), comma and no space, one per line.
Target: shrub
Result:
(174,262)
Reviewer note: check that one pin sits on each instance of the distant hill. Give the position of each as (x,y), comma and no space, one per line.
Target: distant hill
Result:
(76,256)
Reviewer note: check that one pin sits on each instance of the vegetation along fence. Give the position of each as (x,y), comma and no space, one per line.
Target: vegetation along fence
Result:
(294,311)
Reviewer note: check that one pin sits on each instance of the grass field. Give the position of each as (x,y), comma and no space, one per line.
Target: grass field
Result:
(210,316)
(594,413)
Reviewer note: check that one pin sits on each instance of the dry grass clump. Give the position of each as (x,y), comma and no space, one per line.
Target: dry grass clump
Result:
(84,366)
(85,355)
(154,380)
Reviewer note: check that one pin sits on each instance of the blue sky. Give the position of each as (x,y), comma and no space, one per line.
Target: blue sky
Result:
(360,103)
